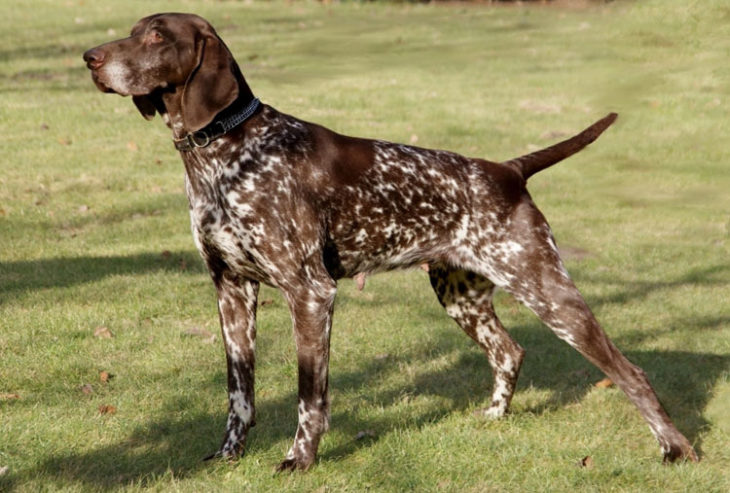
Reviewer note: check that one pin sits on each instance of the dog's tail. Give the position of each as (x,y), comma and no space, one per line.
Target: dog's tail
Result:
(529,164)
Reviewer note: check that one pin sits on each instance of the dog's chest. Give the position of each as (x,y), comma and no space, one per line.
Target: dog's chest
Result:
(229,216)
(247,209)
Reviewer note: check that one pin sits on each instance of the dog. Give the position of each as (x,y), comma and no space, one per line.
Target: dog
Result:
(280,201)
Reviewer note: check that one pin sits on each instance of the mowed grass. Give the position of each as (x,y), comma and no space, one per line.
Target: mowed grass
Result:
(94,234)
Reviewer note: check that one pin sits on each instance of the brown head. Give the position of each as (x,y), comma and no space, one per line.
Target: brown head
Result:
(170,57)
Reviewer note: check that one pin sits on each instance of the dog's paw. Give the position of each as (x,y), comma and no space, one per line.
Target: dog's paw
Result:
(227,453)
(293,464)
(491,412)
(214,456)
(680,453)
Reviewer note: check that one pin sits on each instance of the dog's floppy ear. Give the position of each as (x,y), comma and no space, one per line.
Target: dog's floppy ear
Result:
(145,106)
(212,85)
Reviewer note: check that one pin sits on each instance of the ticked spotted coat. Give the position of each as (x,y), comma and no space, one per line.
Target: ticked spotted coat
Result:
(280,201)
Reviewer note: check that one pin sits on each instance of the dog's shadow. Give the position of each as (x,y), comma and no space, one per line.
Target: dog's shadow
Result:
(683,381)
(168,444)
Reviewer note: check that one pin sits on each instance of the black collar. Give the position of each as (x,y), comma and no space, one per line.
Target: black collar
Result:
(226,121)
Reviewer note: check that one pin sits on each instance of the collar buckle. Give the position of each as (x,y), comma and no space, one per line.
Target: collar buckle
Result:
(199,138)
(204,136)
(192,140)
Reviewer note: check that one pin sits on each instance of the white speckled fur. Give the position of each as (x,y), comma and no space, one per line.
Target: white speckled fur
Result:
(291,204)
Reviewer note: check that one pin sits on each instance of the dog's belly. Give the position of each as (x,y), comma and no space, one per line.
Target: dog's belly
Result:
(384,242)
(418,205)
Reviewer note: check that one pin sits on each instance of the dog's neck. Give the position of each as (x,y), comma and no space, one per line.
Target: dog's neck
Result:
(168,103)
(197,168)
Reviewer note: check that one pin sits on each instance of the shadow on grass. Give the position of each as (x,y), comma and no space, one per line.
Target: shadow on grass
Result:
(166,445)
(63,272)
(714,275)
(161,446)
(683,381)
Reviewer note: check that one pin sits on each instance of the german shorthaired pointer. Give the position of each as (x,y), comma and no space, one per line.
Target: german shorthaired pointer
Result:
(277,200)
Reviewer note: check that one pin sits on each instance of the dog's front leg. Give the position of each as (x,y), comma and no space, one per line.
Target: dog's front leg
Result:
(311,302)
(237,311)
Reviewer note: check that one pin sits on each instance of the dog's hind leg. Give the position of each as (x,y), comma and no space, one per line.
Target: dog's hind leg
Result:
(529,267)
(467,298)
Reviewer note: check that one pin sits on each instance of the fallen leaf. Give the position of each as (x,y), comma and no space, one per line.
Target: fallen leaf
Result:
(414,138)
(202,333)
(360,281)
(425,267)
(266,302)
(132,146)
(64,142)
(586,462)
(103,333)
(604,384)
(365,434)
(381,357)
(87,389)
(44,126)
(4,470)
(104,377)
(107,409)
(166,254)
(9,397)
(197,331)
(83,208)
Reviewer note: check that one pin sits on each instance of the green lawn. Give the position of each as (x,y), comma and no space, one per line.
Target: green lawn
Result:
(94,234)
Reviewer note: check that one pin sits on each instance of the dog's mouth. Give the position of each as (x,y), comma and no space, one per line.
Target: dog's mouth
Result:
(104,88)
(99,83)
(100,80)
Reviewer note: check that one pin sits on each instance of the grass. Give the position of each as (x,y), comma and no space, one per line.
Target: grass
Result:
(94,233)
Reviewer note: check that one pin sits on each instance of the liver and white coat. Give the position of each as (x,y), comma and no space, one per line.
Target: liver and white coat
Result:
(294,205)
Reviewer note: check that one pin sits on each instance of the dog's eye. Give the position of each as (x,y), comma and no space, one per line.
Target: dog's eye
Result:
(155,37)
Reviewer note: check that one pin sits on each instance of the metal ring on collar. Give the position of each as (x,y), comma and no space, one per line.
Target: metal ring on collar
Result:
(199,139)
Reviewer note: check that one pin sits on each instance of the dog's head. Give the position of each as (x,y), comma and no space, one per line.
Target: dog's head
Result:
(169,52)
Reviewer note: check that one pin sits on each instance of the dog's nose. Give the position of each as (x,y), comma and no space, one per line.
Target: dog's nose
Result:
(94,58)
